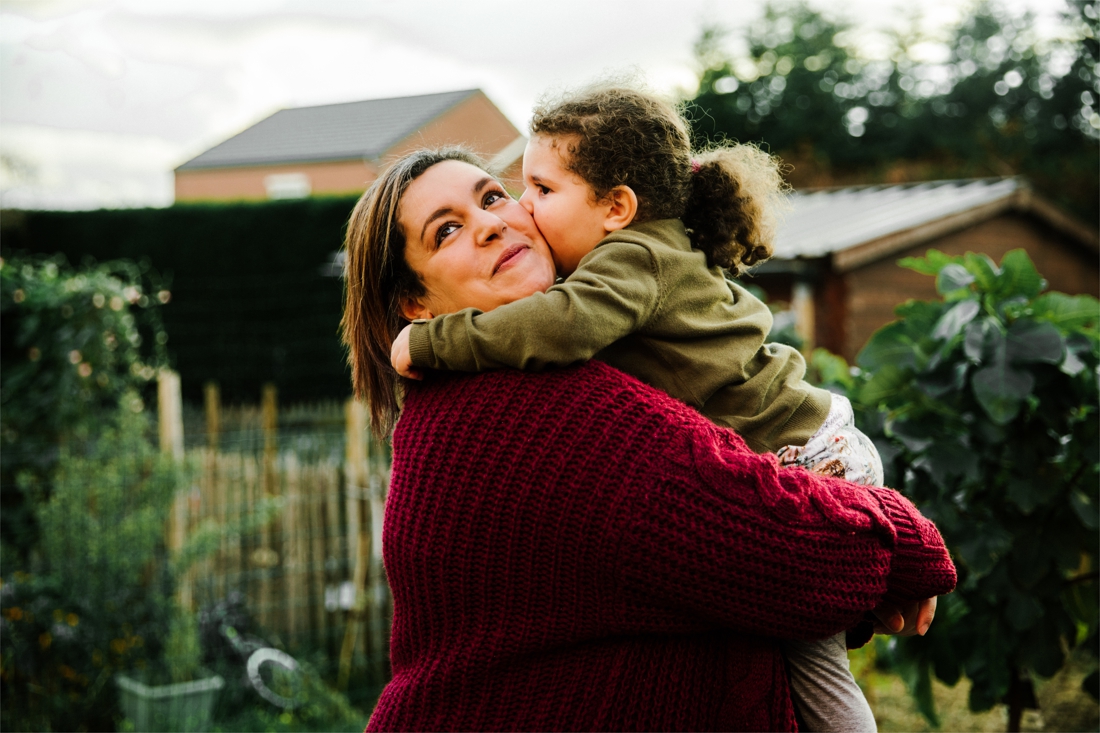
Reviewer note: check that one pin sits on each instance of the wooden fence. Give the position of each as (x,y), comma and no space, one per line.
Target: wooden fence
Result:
(298,532)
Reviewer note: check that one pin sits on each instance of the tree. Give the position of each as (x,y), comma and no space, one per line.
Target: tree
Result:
(986,409)
(1004,101)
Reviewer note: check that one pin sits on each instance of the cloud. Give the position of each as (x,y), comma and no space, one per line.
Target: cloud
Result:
(73,169)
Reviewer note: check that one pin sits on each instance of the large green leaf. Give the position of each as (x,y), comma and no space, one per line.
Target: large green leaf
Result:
(983,269)
(931,263)
(983,340)
(953,320)
(890,345)
(1001,390)
(886,382)
(944,380)
(1019,276)
(1023,611)
(1067,311)
(1034,341)
(953,277)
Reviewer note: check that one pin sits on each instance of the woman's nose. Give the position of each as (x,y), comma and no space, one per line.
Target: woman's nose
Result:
(489,227)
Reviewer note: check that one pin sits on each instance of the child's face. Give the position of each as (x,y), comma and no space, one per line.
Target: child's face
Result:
(563,205)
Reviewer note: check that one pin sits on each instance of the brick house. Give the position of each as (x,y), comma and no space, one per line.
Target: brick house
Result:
(340,148)
(836,253)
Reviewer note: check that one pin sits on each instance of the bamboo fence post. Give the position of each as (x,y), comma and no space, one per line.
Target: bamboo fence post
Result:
(170,428)
(212,401)
(293,564)
(336,550)
(319,555)
(232,472)
(268,555)
(378,586)
(214,496)
(357,481)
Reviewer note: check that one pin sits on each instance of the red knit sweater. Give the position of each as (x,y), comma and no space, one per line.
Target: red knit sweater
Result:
(578,551)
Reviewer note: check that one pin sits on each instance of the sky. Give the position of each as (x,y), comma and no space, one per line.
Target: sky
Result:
(101,99)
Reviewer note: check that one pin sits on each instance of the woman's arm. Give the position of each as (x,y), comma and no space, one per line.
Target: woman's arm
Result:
(626,504)
(728,535)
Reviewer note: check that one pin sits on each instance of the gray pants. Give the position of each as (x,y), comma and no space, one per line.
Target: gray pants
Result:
(823,689)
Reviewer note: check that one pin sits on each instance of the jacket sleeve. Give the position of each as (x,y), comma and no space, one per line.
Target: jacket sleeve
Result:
(730,537)
(613,293)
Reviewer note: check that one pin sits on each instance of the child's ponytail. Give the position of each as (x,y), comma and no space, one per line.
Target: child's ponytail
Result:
(737,192)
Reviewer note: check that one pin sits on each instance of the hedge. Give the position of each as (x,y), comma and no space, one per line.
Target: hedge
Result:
(252,301)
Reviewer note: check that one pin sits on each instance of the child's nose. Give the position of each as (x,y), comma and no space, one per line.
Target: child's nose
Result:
(527,201)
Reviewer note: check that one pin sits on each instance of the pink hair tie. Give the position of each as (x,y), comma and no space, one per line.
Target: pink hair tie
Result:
(695,166)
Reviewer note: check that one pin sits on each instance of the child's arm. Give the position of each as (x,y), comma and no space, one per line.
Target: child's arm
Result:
(613,293)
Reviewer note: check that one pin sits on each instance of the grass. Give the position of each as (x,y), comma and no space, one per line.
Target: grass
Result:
(1064,706)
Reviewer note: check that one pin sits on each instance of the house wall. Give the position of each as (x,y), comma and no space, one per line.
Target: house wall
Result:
(873,291)
(247,182)
(475,122)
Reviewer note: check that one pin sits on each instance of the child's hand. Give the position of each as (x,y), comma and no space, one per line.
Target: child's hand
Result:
(400,358)
(913,619)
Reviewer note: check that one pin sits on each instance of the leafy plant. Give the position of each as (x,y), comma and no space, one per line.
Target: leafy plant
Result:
(103,601)
(74,343)
(985,408)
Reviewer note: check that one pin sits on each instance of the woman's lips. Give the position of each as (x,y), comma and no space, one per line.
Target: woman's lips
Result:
(508,255)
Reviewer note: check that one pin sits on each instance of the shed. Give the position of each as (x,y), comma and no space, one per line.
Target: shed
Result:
(337,149)
(836,253)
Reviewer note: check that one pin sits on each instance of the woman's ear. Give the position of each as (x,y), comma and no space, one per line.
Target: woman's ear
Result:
(622,208)
(413,308)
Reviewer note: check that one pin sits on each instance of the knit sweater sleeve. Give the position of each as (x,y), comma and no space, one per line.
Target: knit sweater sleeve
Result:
(729,536)
(612,294)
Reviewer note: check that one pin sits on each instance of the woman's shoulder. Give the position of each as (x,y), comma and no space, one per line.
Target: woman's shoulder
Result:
(593,394)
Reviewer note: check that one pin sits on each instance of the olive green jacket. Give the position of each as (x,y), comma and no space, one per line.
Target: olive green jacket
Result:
(645,302)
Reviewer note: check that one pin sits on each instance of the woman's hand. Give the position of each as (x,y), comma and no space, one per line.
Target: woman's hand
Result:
(913,618)
(400,358)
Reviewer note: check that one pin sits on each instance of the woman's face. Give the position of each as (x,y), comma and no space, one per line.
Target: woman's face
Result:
(472,245)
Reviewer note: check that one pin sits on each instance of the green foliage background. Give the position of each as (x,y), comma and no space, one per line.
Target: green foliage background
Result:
(986,410)
(252,297)
(1003,100)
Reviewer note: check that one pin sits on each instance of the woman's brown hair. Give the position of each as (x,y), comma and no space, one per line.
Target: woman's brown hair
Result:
(377,279)
(727,196)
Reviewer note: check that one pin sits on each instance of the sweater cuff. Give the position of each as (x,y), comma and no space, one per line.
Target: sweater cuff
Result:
(921,566)
(420,345)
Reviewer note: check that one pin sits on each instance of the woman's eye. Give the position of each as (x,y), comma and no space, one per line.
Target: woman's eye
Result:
(444,231)
(492,197)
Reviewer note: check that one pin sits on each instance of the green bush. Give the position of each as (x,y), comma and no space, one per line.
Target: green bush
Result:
(984,405)
(74,342)
(103,601)
(253,298)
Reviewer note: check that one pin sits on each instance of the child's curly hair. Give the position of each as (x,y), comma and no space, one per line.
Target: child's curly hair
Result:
(728,196)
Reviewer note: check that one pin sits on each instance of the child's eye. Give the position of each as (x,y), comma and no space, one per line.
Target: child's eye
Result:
(542,189)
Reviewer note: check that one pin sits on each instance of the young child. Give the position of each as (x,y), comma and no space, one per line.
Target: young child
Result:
(644,233)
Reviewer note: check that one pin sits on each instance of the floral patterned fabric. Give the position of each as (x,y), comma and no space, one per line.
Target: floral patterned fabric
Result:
(838,449)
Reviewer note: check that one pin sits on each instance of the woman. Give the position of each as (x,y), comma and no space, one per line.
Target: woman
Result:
(575,550)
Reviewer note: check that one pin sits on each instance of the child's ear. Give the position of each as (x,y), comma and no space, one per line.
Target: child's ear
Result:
(413,308)
(622,208)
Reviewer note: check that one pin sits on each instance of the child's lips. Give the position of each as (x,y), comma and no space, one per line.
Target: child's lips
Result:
(508,255)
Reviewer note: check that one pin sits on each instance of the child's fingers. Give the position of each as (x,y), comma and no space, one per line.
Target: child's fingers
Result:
(925,614)
(890,620)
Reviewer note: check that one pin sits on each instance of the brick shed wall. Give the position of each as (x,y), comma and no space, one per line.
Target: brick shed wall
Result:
(875,290)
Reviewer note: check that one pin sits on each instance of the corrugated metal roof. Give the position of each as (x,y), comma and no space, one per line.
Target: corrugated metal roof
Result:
(328,132)
(832,220)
